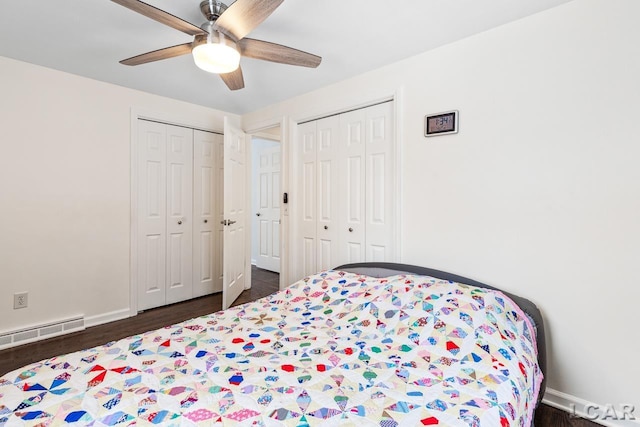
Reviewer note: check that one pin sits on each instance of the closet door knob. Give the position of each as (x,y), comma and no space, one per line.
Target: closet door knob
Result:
(326,227)
(350,230)
(180,222)
(258,214)
(206,221)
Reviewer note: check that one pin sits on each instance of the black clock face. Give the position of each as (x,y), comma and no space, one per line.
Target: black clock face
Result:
(441,123)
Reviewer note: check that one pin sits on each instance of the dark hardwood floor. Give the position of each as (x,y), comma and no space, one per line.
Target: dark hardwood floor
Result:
(546,416)
(263,283)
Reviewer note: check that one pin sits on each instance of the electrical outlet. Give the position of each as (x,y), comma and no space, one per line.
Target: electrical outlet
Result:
(20,300)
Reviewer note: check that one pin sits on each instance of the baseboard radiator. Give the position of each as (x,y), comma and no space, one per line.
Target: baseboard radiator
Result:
(41,332)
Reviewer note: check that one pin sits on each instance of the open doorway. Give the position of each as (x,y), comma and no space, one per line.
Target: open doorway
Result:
(266,162)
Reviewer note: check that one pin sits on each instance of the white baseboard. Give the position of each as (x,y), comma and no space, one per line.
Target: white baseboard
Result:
(606,414)
(101,319)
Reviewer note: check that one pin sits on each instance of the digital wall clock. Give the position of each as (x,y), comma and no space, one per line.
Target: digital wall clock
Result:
(441,123)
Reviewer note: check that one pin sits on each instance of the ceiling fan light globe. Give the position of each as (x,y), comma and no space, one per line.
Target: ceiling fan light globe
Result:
(218,58)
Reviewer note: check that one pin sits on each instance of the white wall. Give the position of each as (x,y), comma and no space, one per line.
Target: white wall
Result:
(539,193)
(65,191)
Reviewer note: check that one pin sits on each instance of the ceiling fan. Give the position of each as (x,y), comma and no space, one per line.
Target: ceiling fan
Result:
(220,42)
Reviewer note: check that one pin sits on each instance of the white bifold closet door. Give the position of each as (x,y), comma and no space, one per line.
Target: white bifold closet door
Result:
(346,201)
(177,203)
(366,201)
(318,223)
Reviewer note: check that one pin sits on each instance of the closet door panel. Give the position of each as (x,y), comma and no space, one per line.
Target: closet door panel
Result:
(309,189)
(351,198)
(327,192)
(377,189)
(152,205)
(180,213)
(154,267)
(308,256)
(380,182)
(326,233)
(378,254)
(306,239)
(205,230)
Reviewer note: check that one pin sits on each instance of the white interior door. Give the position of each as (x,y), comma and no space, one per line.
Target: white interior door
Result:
(235,210)
(165,188)
(207,271)
(268,208)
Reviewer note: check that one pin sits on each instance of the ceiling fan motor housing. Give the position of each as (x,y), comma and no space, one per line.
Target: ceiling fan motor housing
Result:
(214,36)
(212,9)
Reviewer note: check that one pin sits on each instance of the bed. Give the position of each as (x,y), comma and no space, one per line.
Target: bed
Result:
(372,344)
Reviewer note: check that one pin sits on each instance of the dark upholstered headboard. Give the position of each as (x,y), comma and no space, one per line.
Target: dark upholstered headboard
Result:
(385,269)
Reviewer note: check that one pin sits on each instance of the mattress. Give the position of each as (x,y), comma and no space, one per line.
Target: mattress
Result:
(336,348)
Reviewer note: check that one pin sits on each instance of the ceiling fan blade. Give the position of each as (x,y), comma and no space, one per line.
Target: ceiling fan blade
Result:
(267,51)
(245,15)
(157,55)
(234,79)
(161,16)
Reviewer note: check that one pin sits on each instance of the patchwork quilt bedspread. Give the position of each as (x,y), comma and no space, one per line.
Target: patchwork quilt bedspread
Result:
(333,349)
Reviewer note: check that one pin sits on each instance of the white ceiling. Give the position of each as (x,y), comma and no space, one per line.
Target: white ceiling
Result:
(89,37)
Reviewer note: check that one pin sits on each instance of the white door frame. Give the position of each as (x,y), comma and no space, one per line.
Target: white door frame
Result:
(256,130)
(168,118)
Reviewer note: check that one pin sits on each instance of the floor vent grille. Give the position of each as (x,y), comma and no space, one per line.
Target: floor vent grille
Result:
(41,332)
